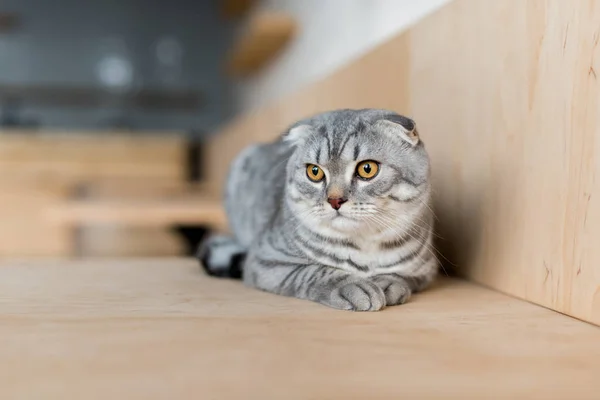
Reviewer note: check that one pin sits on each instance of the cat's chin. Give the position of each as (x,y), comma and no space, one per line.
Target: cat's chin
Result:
(345,224)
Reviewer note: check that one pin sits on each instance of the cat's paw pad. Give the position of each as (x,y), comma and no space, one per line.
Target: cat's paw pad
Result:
(359,296)
(396,291)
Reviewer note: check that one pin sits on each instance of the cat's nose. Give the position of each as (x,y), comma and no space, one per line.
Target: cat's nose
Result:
(336,203)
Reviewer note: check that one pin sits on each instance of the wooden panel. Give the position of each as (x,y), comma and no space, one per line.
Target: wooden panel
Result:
(184,210)
(137,220)
(125,217)
(265,36)
(117,238)
(156,329)
(93,155)
(24,230)
(40,171)
(507,98)
(114,240)
(143,188)
(514,132)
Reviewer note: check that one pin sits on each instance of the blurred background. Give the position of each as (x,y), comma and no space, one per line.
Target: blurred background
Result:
(106,107)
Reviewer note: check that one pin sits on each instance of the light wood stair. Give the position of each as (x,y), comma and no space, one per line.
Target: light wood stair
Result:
(155,329)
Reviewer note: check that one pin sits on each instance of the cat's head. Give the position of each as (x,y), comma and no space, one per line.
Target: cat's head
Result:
(356,169)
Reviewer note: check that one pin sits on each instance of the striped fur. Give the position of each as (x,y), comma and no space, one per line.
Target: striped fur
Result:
(373,252)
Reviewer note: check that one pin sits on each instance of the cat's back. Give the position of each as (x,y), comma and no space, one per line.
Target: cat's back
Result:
(254,190)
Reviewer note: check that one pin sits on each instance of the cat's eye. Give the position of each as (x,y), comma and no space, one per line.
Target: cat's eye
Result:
(367,169)
(314,173)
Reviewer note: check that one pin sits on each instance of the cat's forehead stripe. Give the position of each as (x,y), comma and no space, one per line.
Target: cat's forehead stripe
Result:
(325,134)
(356,151)
(333,143)
(345,142)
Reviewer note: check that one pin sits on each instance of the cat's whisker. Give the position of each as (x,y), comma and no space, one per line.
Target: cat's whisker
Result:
(393,228)
(440,253)
(419,219)
(418,256)
(434,252)
(425,202)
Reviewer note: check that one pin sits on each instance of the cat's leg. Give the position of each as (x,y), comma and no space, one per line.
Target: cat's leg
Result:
(222,256)
(326,285)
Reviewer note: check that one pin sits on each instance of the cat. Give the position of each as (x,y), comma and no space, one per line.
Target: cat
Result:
(336,210)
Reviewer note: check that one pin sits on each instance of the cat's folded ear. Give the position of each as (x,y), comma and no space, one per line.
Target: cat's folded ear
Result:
(297,134)
(399,126)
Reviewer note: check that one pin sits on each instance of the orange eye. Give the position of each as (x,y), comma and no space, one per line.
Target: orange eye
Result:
(367,169)
(314,173)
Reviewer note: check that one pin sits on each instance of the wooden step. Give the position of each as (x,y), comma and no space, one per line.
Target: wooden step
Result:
(168,211)
(155,329)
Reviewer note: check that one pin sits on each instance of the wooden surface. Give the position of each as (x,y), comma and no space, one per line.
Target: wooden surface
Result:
(127,241)
(40,170)
(24,229)
(88,155)
(169,211)
(507,100)
(160,329)
(265,35)
(122,239)
(517,152)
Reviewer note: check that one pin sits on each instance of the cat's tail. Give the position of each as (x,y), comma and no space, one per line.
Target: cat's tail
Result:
(222,256)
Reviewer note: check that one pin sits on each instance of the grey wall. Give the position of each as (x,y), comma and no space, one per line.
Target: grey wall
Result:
(63,42)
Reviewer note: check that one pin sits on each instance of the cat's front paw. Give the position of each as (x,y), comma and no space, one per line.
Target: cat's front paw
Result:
(358,296)
(396,291)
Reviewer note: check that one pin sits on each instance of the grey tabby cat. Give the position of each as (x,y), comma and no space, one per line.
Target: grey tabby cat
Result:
(335,211)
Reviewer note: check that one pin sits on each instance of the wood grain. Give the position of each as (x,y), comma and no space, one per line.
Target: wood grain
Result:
(514,137)
(507,99)
(155,329)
